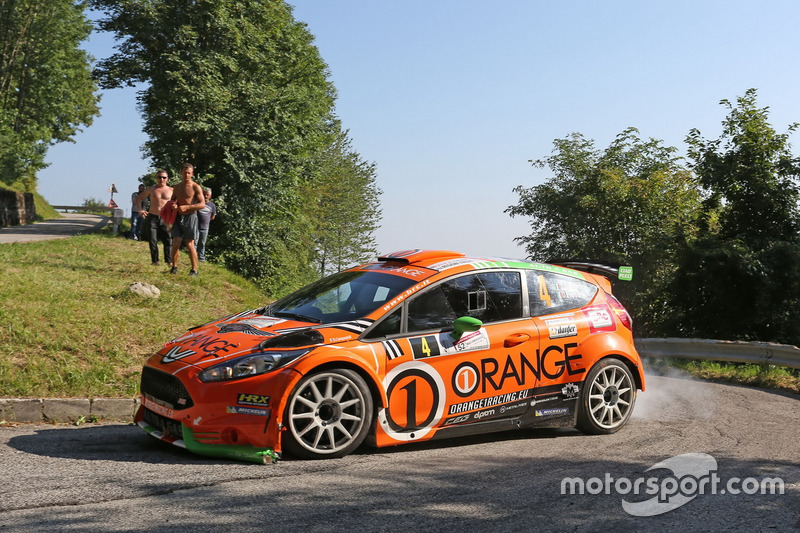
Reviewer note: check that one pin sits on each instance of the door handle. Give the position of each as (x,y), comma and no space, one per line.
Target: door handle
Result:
(515,339)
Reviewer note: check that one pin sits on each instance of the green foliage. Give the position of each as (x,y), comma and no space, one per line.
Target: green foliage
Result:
(626,204)
(738,279)
(46,89)
(237,88)
(344,206)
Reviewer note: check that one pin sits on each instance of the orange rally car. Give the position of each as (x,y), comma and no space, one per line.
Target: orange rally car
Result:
(419,345)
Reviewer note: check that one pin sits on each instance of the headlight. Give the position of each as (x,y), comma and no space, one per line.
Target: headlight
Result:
(250,365)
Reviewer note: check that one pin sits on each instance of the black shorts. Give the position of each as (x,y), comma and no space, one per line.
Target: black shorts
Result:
(185,227)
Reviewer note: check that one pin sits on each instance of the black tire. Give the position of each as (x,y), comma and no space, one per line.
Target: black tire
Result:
(607,398)
(328,415)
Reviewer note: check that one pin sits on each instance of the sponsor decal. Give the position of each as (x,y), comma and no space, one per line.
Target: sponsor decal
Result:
(491,401)
(483,414)
(570,390)
(552,412)
(416,400)
(529,266)
(456,420)
(405,271)
(262,321)
(475,340)
(209,344)
(354,326)
(466,379)
(156,408)
(401,297)
(451,263)
(393,349)
(175,354)
(543,400)
(599,318)
(506,409)
(566,330)
(252,399)
(551,362)
(239,410)
(241,327)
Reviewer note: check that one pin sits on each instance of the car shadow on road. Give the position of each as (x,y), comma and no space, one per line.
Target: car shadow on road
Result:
(127,442)
(103,442)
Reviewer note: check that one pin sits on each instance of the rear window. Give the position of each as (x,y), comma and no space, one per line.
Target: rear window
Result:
(553,293)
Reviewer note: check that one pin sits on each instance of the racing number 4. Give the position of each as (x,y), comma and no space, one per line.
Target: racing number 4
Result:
(543,294)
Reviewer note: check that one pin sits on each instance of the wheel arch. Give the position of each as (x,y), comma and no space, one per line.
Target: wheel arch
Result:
(370,378)
(614,345)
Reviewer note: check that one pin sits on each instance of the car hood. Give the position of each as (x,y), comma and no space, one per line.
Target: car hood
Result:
(251,332)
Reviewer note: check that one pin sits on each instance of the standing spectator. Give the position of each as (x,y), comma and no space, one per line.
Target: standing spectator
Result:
(136,217)
(204,218)
(155,229)
(189,199)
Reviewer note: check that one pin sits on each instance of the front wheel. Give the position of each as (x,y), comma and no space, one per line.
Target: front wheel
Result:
(328,415)
(607,398)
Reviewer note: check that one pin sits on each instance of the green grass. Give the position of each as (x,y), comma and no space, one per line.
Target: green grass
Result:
(69,326)
(754,375)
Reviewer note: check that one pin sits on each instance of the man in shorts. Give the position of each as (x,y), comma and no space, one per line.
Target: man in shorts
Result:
(154,228)
(189,199)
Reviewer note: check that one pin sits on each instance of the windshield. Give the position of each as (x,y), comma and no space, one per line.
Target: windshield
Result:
(340,297)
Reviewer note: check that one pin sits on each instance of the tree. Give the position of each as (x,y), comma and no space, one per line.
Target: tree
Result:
(738,278)
(237,88)
(626,204)
(46,89)
(346,210)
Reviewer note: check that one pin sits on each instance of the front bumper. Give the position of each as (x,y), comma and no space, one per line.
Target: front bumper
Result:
(184,437)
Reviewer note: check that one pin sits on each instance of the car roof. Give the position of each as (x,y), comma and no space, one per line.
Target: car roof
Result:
(444,260)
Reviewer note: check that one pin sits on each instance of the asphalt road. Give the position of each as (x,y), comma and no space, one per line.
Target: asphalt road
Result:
(113,477)
(60,228)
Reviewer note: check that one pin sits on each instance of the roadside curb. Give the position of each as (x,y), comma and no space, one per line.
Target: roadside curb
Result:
(67,410)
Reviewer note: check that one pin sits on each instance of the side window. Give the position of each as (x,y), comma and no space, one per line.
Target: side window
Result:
(487,296)
(388,326)
(430,310)
(553,293)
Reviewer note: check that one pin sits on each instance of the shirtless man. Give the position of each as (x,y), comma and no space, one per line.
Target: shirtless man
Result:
(159,195)
(188,196)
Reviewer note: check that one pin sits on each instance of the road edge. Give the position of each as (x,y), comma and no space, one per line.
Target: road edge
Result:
(67,410)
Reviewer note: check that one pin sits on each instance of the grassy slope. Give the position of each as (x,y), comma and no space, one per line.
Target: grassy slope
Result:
(69,326)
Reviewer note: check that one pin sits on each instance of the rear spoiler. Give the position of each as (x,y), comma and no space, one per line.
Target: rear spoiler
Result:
(623,273)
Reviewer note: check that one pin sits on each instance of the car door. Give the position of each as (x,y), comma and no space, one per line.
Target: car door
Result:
(556,300)
(438,377)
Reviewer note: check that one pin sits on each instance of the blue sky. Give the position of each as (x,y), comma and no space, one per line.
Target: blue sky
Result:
(451,98)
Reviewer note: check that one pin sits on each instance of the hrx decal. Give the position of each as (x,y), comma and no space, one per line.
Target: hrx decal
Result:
(252,399)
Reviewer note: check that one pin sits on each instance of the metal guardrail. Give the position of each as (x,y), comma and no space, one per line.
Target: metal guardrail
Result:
(763,353)
(82,208)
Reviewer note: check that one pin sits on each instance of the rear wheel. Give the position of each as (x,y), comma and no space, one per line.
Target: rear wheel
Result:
(607,398)
(328,415)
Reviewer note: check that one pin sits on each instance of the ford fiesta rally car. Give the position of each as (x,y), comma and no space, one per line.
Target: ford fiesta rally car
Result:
(419,345)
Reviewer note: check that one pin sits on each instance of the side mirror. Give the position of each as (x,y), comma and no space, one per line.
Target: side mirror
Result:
(464,324)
